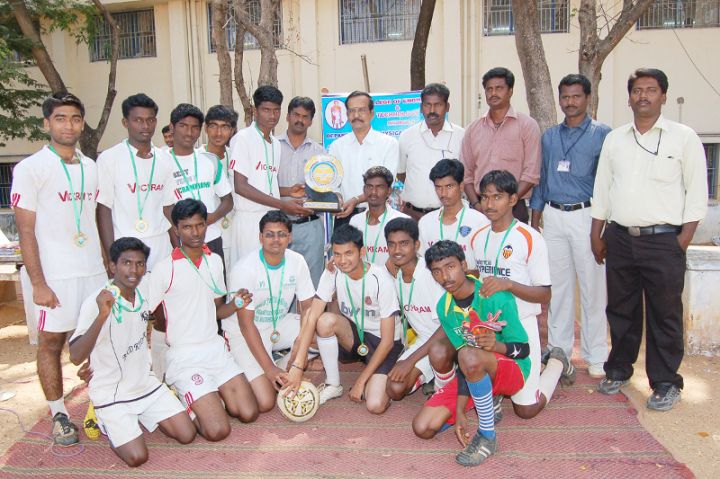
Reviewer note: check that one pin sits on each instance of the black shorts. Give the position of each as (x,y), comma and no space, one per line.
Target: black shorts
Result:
(372,342)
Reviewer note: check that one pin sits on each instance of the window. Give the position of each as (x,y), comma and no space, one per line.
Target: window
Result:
(250,43)
(137,36)
(553,16)
(364,21)
(5,183)
(712,153)
(681,14)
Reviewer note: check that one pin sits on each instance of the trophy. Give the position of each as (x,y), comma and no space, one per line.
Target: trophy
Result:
(323,174)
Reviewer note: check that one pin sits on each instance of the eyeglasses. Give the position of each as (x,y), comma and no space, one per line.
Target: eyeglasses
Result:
(358,111)
(273,235)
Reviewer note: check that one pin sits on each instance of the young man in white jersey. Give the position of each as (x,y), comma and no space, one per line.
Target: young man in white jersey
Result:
(418,293)
(54,196)
(455,220)
(189,283)
(112,333)
(135,183)
(255,159)
(366,330)
(377,186)
(275,276)
(512,256)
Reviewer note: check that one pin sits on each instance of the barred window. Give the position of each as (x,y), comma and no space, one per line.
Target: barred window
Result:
(553,16)
(137,36)
(250,43)
(712,153)
(5,183)
(681,14)
(364,21)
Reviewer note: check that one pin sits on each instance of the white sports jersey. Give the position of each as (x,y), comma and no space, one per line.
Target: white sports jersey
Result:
(119,192)
(249,273)
(187,297)
(258,161)
(430,232)
(522,257)
(224,166)
(420,307)
(380,300)
(120,359)
(39,184)
(206,183)
(374,233)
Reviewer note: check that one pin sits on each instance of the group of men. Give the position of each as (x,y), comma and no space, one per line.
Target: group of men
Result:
(202,238)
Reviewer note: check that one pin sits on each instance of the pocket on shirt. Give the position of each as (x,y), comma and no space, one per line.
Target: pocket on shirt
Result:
(666,167)
(512,151)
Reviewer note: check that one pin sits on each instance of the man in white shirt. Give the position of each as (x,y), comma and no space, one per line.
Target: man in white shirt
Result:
(377,188)
(360,149)
(651,189)
(54,195)
(275,276)
(135,183)
(455,221)
(422,146)
(112,333)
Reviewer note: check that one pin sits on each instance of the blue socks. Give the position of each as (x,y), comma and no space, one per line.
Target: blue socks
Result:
(481,392)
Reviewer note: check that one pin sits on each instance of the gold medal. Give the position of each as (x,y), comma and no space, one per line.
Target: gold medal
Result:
(141,226)
(275,337)
(114,290)
(363,350)
(80,239)
(225,223)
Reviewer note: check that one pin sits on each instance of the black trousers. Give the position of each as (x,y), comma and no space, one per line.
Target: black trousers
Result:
(649,268)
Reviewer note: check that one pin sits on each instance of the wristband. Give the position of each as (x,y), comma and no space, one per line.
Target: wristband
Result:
(293,365)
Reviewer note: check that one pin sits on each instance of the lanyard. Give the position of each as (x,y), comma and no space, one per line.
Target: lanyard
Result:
(72,190)
(141,206)
(214,287)
(377,237)
(562,143)
(268,171)
(118,307)
(187,180)
(657,147)
(402,305)
(442,226)
(502,243)
(361,325)
(274,309)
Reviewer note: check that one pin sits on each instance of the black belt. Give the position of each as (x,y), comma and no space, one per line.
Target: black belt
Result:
(572,207)
(649,230)
(305,219)
(420,210)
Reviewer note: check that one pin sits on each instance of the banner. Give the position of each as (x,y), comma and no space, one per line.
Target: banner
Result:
(394,112)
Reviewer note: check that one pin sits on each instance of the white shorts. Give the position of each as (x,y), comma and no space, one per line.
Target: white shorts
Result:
(71,292)
(246,234)
(199,369)
(160,248)
(530,392)
(120,421)
(289,328)
(423,364)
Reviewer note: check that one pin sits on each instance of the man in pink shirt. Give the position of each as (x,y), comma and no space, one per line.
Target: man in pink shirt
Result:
(502,139)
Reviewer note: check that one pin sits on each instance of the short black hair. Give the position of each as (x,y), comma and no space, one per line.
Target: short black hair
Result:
(267,93)
(443,249)
(121,245)
(659,75)
(378,172)
(302,102)
(408,225)
(57,100)
(347,234)
(357,93)
(576,79)
(221,113)
(275,216)
(188,208)
(165,129)
(499,72)
(184,110)
(447,167)
(140,100)
(435,89)
(503,180)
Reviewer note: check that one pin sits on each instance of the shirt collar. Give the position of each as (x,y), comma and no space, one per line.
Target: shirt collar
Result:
(661,123)
(369,138)
(446,127)
(177,254)
(511,113)
(581,125)
(284,138)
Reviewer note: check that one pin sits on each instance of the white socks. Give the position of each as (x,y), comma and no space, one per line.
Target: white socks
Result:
(442,379)
(329,352)
(158,350)
(57,406)
(549,378)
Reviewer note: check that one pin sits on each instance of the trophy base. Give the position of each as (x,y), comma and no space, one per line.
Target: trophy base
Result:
(323,206)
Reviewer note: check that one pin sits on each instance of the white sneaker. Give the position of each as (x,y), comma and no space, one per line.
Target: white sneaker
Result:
(328,392)
(596,370)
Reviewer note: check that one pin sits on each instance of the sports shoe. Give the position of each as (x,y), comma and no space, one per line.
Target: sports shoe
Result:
(497,407)
(567,378)
(479,449)
(545,355)
(664,397)
(328,392)
(428,389)
(90,426)
(611,386)
(64,432)
(596,371)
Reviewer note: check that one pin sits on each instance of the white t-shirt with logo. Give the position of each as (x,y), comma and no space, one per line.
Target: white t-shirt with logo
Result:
(420,307)
(119,192)
(380,300)
(374,232)
(430,225)
(258,161)
(224,166)
(39,184)
(522,257)
(249,273)
(120,359)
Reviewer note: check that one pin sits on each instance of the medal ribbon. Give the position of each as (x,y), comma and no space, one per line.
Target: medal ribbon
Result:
(141,206)
(214,287)
(402,306)
(268,171)
(361,325)
(72,190)
(382,223)
(187,180)
(274,309)
(502,244)
(118,307)
(442,226)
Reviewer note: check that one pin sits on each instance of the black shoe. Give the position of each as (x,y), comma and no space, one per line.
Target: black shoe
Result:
(479,449)
(664,397)
(64,432)
(497,407)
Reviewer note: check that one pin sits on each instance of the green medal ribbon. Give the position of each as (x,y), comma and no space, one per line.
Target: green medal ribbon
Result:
(361,324)
(268,171)
(442,226)
(182,171)
(72,190)
(141,206)
(402,306)
(213,287)
(118,307)
(502,243)
(274,308)
(382,223)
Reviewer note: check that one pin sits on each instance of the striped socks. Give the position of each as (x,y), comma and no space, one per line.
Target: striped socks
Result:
(442,379)
(481,392)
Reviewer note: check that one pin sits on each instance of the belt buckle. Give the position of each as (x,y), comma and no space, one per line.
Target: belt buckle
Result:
(634,230)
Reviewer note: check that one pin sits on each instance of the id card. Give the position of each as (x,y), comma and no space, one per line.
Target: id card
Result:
(564,166)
